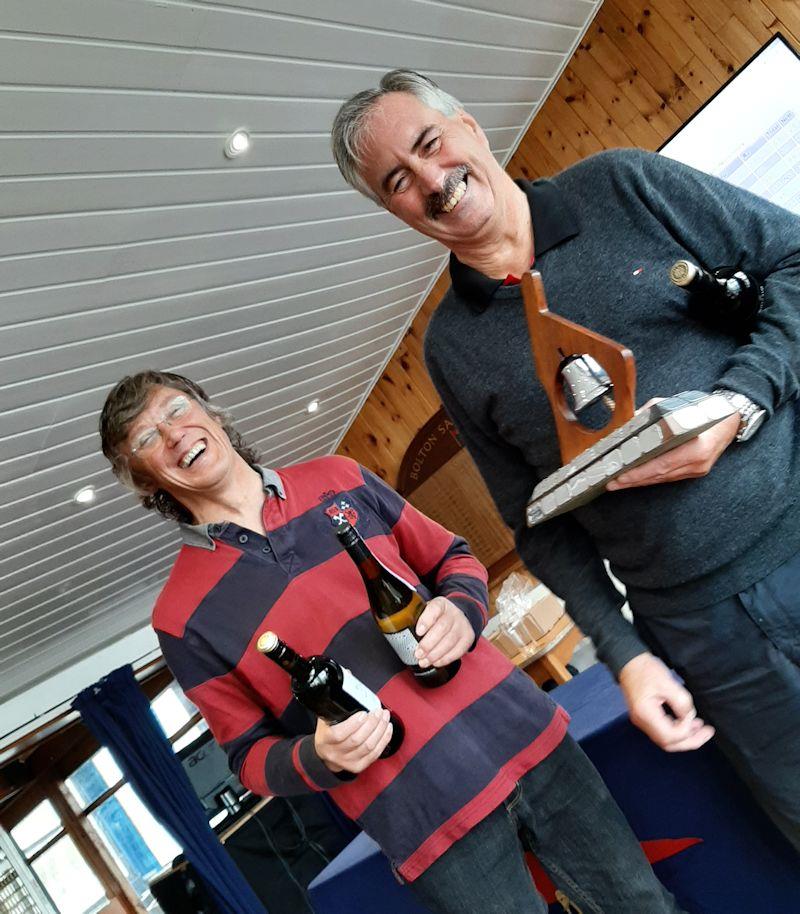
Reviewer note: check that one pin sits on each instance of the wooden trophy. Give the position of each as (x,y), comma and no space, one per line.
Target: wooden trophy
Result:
(592,457)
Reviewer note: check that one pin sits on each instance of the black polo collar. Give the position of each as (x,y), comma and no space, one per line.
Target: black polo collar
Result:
(553,222)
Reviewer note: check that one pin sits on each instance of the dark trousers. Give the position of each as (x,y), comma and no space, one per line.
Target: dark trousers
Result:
(740,658)
(567,817)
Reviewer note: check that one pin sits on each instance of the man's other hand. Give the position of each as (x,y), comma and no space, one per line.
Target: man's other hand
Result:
(650,689)
(355,743)
(444,633)
(690,460)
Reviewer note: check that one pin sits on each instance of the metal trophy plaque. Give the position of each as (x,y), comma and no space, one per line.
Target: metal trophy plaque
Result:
(595,367)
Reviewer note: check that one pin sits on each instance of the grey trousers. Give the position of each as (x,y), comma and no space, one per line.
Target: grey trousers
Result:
(740,658)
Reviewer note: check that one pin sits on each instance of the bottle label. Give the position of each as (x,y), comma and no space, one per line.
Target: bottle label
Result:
(356,689)
(404,644)
(395,574)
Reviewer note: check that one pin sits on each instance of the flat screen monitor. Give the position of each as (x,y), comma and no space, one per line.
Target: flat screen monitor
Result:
(749,131)
(206,765)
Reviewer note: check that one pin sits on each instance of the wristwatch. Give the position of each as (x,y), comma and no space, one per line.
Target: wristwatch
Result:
(752,415)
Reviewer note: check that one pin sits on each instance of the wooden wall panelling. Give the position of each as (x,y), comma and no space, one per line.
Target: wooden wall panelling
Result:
(714,13)
(738,39)
(670,51)
(626,77)
(576,130)
(455,495)
(626,99)
(787,13)
(536,158)
(702,80)
(554,139)
(589,109)
(700,34)
(755,17)
(647,60)
(641,70)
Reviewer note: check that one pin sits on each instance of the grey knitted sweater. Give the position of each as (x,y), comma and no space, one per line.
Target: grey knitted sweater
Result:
(606,231)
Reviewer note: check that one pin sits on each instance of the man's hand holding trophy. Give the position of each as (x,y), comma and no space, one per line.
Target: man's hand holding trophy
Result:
(578,368)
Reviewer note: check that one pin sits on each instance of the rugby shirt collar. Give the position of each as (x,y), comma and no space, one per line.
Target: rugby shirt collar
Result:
(202,535)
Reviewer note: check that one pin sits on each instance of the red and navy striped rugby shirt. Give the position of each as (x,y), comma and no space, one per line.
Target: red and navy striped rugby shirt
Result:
(466,743)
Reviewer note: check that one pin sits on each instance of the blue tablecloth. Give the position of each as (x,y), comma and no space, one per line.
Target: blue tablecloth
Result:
(742,865)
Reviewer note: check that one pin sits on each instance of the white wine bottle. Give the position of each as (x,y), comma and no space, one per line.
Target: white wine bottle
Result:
(396,607)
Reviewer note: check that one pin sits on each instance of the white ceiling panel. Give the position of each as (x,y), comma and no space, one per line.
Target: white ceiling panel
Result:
(128,240)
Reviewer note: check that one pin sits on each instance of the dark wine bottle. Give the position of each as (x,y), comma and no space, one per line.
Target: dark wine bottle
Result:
(327,688)
(725,298)
(396,607)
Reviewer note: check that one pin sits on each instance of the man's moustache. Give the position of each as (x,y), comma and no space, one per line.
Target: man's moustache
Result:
(451,182)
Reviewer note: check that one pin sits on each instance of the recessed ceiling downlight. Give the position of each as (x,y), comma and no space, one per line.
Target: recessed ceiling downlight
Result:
(85,496)
(237,143)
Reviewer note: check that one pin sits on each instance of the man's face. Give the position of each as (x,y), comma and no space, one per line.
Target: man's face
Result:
(434,172)
(190,454)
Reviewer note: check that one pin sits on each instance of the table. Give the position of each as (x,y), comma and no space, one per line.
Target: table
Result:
(547,657)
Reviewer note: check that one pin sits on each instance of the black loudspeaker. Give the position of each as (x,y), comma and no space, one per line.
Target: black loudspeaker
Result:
(279,850)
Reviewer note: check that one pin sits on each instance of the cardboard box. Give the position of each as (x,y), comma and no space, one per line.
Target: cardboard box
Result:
(545,612)
(505,643)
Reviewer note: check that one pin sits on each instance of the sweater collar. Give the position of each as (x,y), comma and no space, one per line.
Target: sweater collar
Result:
(202,535)
(553,222)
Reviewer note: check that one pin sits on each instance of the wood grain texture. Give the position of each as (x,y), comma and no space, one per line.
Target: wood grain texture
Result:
(641,70)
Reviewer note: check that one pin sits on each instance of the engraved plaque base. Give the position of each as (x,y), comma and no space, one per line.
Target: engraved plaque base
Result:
(653,431)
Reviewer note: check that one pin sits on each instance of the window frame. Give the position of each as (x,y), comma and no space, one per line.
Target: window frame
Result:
(53,769)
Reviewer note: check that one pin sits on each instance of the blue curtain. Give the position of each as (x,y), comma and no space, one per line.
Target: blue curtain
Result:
(119,715)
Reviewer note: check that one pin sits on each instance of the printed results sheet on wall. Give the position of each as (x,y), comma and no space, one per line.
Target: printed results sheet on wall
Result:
(749,133)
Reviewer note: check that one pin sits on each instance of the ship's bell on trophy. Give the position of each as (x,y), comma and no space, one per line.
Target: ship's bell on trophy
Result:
(592,396)
(588,391)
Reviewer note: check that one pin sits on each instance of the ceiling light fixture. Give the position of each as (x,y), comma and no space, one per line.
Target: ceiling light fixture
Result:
(237,143)
(313,406)
(85,496)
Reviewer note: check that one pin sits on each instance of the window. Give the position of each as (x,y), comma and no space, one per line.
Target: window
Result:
(140,847)
(94,778)
(68,879)
(57,862)
(20,891)
(37,829)
(174,711)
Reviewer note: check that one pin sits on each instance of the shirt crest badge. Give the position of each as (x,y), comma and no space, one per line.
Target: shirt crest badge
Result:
(342,510)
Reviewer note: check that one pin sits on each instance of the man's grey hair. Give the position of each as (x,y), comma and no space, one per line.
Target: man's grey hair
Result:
(351,125)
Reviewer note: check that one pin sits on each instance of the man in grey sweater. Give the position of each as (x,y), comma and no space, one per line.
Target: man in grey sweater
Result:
(706,538)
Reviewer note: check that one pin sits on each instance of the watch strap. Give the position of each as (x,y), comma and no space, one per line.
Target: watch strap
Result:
(750,413)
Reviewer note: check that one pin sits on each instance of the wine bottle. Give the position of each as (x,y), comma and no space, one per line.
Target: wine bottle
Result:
(327,688)
(726,298)
(396,607)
